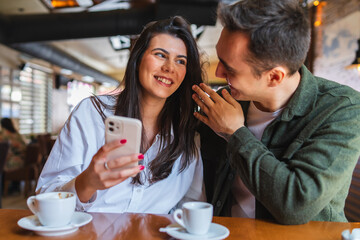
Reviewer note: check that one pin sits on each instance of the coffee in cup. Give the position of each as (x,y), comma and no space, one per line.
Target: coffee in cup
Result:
(53,209)
(195,217)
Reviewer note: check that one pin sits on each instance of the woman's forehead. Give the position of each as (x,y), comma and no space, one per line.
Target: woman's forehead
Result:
(168,41)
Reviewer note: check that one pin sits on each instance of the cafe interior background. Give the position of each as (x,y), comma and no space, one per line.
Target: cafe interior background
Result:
(54,53)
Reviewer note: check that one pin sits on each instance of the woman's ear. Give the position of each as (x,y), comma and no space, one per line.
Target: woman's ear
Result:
(276,76)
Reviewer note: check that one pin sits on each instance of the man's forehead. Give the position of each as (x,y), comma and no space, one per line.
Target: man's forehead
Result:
(232,43)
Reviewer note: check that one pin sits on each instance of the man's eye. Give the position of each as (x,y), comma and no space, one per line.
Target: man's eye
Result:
(229,70)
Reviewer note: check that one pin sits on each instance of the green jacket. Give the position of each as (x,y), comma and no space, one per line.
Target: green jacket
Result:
(301,169)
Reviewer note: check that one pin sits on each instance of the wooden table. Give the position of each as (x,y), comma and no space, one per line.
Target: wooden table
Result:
(146,226)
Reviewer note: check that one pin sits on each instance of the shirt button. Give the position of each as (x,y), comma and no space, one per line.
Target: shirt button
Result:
(231,176)
(138,190)
(218,203)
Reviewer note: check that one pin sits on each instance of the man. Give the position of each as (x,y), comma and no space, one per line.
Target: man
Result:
(290,142)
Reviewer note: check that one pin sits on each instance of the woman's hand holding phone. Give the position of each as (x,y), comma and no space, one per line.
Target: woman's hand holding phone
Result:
(115,161)
(98,177)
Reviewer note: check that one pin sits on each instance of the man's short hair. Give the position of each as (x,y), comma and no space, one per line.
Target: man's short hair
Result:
(278,31)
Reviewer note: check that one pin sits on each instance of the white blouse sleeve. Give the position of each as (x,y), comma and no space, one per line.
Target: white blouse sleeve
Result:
(78,141)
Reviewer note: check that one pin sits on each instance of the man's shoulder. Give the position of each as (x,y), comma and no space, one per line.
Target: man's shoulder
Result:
(327,89)
(337,92)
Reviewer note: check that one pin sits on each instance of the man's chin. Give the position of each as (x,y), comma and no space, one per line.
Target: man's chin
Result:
(239,97)
(236,95)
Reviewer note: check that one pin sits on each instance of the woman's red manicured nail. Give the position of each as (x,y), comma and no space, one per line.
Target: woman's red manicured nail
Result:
(122,141)
(141,167)
(141,156)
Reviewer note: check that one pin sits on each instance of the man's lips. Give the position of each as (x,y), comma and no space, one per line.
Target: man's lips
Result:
(228,82)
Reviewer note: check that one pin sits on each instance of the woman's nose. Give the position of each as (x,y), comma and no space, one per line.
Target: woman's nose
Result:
(168,66)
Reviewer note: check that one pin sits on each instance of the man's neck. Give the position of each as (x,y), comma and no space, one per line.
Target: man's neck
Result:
(281,95)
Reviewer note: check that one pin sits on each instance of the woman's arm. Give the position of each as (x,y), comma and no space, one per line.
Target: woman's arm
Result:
(76,162)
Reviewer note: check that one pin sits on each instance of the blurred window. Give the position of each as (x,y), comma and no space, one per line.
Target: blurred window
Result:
(35,100)
(10,93)
(77,91)
(25,96)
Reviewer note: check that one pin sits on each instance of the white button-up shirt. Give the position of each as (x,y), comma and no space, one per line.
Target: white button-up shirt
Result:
(82,136)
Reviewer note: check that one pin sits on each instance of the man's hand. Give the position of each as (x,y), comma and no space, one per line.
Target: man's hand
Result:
(223,115)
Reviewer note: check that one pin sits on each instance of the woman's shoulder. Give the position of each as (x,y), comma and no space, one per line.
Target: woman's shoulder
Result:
(14,137)
(105,99)
(92,104)
(88,112)
(2,136)
(6,133)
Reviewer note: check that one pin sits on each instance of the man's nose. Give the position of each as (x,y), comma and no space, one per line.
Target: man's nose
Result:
(220,71)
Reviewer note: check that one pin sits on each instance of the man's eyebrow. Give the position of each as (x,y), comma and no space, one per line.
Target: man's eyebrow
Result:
(227,66)
(163,50)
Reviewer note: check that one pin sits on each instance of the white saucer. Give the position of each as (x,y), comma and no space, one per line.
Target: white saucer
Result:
(216,231)
(32,223)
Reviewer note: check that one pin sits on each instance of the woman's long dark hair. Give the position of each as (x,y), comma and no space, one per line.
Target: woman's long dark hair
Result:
(178,110)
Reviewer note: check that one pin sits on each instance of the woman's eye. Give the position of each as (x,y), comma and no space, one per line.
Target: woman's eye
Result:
(181,61)
(160,54)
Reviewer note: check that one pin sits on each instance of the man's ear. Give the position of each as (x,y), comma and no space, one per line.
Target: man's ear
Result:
(276,76)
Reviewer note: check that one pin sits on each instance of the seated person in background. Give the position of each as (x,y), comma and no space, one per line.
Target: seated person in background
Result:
(16,153)
(288,148)
(163,65)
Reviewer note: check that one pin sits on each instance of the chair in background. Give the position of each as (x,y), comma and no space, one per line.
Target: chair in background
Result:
(4,148)
(30,172)
(352,204)
(45,144)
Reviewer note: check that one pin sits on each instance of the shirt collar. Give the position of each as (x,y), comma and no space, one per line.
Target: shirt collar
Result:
(304,97)
(158,136)
(301,102)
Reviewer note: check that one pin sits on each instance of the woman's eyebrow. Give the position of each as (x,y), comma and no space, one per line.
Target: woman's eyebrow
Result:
(182,56)
(163,50)
(160,49)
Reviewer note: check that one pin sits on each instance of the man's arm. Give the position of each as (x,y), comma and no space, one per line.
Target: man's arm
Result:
(296,188)
(313,171)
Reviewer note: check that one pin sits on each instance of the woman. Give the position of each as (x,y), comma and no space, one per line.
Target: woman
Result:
(15,157)
(163,65)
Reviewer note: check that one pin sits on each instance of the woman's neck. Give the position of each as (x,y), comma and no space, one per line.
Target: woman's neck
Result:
(150,111)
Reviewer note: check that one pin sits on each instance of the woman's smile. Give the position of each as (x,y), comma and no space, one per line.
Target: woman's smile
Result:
(166,81)
(165,62)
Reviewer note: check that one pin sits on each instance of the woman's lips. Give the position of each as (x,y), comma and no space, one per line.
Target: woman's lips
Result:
(164,80)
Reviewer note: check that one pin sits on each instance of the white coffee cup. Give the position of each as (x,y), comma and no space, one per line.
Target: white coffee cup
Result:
(195,217)
(53,209)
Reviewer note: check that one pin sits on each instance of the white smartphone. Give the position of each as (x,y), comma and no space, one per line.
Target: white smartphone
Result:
(117,128)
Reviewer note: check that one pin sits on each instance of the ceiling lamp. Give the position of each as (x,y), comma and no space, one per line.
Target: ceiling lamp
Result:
(120,42)
(356,62)
(63,4)
(71,3)
(316,3)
